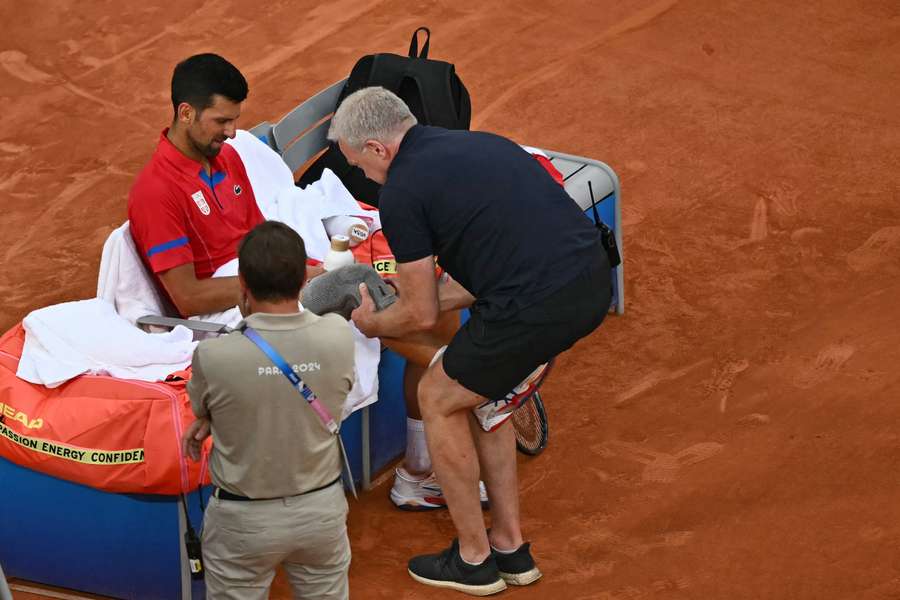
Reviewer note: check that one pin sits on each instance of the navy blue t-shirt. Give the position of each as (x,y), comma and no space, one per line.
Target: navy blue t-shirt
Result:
(492,215)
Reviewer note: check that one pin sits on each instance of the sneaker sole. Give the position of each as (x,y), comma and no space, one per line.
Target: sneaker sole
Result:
(414,506)
(420,506)
(473,590)
(526,578)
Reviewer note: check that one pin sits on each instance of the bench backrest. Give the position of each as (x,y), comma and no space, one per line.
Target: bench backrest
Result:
(301,134)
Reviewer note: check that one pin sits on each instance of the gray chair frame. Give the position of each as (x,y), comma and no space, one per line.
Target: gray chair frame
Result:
(5,592)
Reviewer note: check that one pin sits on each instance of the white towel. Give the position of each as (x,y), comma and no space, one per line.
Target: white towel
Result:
(302,209)
(88,336)
(265,169)
(124,281)
(365,383)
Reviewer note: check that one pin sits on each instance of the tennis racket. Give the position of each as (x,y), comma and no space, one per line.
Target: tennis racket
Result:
(530,423)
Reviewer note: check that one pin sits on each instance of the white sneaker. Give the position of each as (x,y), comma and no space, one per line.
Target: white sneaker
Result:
(409,493)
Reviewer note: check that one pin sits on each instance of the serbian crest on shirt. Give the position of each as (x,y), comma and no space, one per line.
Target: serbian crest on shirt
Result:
(200,201)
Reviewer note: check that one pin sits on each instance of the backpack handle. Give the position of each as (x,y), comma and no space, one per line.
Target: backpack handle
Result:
(414,43)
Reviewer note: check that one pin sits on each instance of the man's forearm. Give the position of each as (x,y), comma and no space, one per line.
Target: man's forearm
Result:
(204,296)
(194,296)
(399,319)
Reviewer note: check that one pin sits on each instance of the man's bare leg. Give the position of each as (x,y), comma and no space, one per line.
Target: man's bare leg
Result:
(418,350)
(497,457)
(446,409)
(412,375)
(414,487)
(420,347)
(417,465)
(416,461)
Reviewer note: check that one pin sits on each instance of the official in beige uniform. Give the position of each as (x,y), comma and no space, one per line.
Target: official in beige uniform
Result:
(276,468)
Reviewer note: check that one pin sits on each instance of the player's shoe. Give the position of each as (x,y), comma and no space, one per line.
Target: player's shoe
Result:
(448,570)
(409,493)
(491,414)
(517,568)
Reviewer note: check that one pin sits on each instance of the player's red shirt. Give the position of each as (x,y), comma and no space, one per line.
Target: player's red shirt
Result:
(180,215)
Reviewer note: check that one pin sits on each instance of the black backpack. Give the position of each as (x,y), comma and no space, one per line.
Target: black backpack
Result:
(431,89)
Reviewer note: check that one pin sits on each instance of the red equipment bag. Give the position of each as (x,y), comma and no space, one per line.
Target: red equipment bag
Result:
(116,435)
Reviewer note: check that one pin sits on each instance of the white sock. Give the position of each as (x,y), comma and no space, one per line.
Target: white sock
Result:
(417,458)
(498,550)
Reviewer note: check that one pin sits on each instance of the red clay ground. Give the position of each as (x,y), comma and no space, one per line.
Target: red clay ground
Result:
(734,435)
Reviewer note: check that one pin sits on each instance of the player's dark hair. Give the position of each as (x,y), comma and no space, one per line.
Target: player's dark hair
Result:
(272,259)
(198,78)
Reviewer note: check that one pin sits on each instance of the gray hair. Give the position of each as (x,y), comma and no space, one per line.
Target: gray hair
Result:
(372,113)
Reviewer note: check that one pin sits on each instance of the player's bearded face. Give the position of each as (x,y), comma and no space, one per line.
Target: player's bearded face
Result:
(212,126)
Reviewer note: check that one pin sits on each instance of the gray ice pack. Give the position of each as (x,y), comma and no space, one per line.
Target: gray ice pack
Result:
(338,290)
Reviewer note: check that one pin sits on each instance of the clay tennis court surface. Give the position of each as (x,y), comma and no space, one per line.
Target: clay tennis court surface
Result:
(734,434)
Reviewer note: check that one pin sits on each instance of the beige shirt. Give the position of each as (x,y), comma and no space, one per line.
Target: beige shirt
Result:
(267,441)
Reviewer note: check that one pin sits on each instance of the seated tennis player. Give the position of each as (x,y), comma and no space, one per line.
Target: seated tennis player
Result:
(476,202)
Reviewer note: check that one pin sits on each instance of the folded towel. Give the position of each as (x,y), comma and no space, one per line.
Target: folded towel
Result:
(88,336)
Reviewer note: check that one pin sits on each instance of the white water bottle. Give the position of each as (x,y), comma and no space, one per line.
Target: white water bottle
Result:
(339,254)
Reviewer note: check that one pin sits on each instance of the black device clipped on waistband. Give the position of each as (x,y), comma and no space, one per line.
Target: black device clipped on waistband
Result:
(607,235)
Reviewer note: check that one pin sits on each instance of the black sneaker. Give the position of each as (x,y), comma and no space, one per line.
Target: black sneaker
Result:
(448,570)
(517,568)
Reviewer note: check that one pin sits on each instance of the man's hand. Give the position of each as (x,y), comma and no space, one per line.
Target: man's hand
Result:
(415,310)
(192,440)
(364,315)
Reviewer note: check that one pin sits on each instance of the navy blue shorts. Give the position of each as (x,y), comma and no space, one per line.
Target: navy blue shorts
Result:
(491,357)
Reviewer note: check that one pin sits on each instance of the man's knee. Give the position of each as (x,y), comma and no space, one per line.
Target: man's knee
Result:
(441,396)
(429,393)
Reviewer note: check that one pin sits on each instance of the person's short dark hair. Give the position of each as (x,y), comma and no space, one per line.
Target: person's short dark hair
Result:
(198,78)
(272,260)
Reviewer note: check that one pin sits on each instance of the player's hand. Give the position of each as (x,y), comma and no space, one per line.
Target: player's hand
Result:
(364,315)
(192,440)
(313,271)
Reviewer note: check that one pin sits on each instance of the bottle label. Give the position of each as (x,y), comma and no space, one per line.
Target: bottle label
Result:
(359,233)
